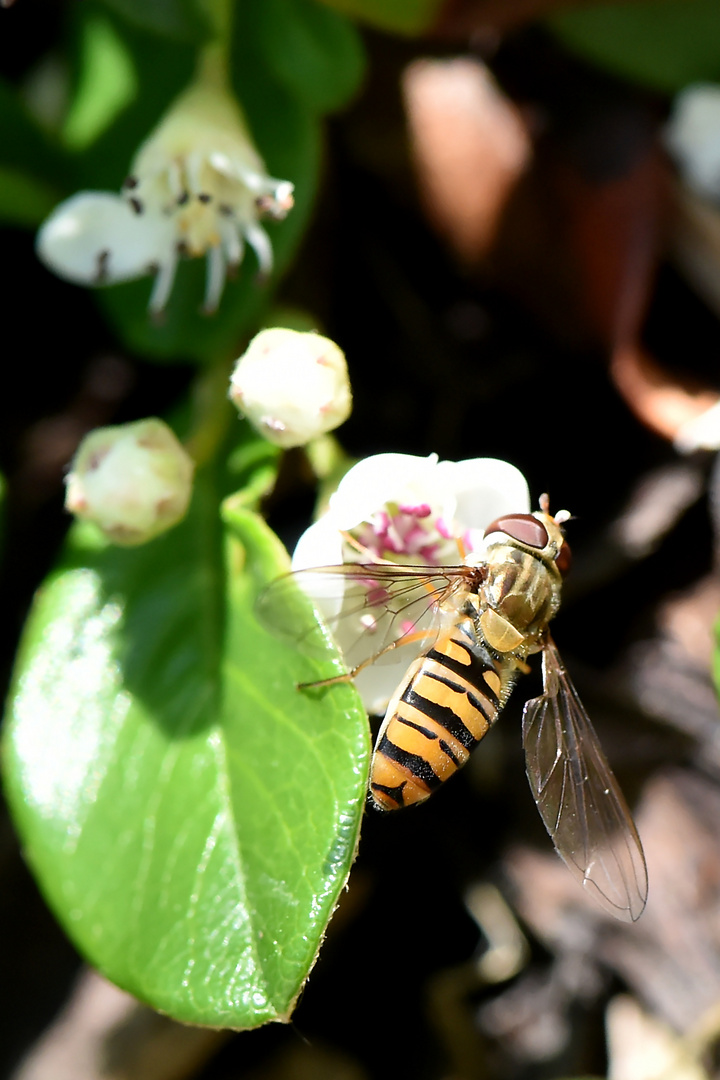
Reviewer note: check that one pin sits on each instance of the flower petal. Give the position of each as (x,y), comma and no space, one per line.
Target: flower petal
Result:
(96,238)
(377,684)
(320,545)
(485,489)
(383,478)
(259,241)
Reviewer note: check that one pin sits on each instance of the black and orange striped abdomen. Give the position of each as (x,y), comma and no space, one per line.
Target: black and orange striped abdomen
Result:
(448,701)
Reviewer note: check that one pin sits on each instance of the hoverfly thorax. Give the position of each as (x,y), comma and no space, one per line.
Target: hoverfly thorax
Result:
(524,578)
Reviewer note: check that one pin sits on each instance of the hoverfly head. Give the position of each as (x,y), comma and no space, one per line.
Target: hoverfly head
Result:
(540,533)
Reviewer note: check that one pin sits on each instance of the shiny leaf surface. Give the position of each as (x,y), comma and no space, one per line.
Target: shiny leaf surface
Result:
(190,815)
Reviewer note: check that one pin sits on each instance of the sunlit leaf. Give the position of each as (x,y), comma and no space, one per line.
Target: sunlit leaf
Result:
(664,43)
(106,84)
(190,815)
(161,69)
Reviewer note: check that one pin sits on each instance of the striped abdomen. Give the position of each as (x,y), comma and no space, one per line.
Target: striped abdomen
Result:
(446,704)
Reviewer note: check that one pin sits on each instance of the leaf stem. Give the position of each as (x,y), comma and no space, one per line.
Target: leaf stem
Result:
(212,413)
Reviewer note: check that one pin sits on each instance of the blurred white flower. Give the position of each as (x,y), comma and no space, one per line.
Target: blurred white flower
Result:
(693,137)
(292,386)
(133,481)
(197,186)
(410,510)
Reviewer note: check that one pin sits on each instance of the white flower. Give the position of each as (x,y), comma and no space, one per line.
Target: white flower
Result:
(693,137)
(409,510)
(197,186)
(292,386)
(134,481)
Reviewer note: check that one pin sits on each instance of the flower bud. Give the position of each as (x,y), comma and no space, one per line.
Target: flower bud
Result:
(292,386)
(133,481)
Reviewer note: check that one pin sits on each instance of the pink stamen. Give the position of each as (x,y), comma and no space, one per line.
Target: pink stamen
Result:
(414,538)
(393,540)
(409,533)
(422,510)
(429,553)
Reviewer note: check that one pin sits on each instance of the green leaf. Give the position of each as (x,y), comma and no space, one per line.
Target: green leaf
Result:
(180,20)
(161,69)
(23,145)
(190,815)
(665,44)
(314,52)
(402,16)
(107,83)
(23,199)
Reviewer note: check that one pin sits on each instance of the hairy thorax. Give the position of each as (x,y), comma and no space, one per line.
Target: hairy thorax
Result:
(521,594)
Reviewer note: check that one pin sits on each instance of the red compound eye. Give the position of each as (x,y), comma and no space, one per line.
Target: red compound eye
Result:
(563,559)
(522,527)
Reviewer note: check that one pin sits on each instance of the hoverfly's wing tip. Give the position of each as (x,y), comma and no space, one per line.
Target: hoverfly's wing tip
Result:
(579,799)
(628,901)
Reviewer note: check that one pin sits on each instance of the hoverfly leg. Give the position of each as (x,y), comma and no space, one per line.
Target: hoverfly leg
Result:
(348,676)
(522,667)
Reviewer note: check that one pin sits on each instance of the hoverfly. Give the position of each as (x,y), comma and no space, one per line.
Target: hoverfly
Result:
(477,623)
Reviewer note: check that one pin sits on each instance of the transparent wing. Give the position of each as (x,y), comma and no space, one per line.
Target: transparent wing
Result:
(369,608)
(578,797)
